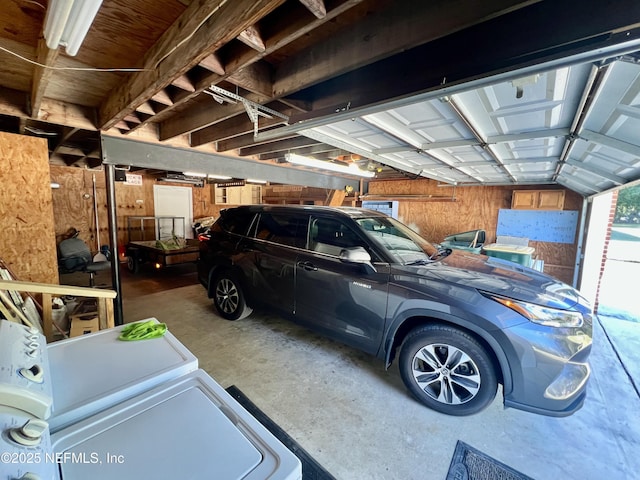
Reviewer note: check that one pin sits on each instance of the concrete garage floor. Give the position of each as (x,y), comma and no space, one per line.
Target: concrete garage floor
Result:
(359,421)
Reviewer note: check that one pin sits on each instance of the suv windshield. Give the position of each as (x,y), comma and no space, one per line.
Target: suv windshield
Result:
(402,243)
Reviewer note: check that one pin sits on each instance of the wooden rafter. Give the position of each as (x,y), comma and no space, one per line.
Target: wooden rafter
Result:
(240,141)
(147,108)
(256,78)
(206,113)
(213,64)
(184,83)
(291,143)
(251,38)
(323,149)
(296,28)
(405,24)
(376,37)
(202,29)
(68,133)
(238,125)
(41,75)
(12,103)
(162,97)
(316,7)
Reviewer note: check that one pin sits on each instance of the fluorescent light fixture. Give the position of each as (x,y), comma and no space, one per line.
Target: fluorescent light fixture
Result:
(67,23)
(325,165)
(253,180)
(206,175)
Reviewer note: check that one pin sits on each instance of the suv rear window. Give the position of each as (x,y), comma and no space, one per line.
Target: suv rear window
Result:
(285,229)
(237,222)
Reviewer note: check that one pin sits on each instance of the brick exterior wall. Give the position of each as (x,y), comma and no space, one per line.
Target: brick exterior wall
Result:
(612,212)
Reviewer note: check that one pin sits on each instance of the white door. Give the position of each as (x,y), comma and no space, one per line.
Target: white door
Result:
(173,202)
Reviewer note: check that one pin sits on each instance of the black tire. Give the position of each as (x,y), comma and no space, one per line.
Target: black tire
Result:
(133,264)
(229,298)
(448,370)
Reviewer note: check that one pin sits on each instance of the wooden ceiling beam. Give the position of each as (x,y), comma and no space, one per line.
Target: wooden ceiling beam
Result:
(13,102)
(251,38)
(316,7)
(296,27)
(213,64)
(41,74)
(277,146)
(256,78)
(184,83)
(299,105)
(402,26)
(324,150)
(147,108)
(238,125)
(68,133)
(241,141)
(203,28)
(163,98)
(205,114)
(362,42)
(70,151)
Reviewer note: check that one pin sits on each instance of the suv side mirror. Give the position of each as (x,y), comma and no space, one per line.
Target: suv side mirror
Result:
(357,255)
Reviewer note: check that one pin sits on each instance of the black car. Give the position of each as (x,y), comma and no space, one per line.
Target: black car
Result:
(462,322)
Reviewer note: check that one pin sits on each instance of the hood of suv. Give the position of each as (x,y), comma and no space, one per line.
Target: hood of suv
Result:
(498,276)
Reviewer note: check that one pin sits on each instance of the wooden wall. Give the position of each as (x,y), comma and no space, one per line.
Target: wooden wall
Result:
(474,207)
(434,217)
(291,194)
(27,242)
(73,203)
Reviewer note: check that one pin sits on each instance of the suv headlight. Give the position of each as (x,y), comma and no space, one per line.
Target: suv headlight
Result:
(552,317)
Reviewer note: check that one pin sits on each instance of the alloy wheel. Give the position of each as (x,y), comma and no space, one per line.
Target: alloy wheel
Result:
(446,374)
(227,296)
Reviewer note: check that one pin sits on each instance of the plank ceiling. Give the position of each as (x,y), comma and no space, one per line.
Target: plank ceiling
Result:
(470,93)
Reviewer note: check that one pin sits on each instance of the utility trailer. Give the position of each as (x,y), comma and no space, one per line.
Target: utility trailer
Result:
(153,240)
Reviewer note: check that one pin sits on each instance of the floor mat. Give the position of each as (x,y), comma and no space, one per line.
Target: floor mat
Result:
(311,469)
(472,464)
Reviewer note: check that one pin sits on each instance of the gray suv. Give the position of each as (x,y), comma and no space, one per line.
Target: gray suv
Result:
(462,322)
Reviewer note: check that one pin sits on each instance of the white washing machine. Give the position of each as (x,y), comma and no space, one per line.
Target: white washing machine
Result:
(92,372)
(25,404)
(124,410)
(187,428)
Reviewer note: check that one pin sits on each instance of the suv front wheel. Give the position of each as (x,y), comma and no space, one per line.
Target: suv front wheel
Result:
(447,370)
(229,298)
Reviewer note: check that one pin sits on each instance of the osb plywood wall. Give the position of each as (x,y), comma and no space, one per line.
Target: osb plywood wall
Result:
(474,207)
(27,244)
(73,203)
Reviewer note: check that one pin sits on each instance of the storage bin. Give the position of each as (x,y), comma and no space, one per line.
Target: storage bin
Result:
(514,253)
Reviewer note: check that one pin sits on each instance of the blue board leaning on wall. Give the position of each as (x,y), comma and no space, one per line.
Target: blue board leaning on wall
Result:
(539,225)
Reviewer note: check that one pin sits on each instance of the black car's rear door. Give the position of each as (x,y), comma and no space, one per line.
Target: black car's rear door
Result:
(269,258)
(341,299)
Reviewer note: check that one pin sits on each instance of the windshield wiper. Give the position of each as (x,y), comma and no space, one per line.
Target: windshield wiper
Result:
(419,262)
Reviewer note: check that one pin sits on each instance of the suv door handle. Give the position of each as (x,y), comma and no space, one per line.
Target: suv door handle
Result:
(310,267)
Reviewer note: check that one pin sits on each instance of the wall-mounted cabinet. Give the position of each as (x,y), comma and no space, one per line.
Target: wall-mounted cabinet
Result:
(244,195)
(538,199)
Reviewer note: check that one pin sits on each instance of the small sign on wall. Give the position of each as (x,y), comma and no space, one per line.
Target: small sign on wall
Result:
(133,179)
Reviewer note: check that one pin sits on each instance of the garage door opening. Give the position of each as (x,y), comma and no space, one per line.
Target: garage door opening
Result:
(618,288)
(612,254)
